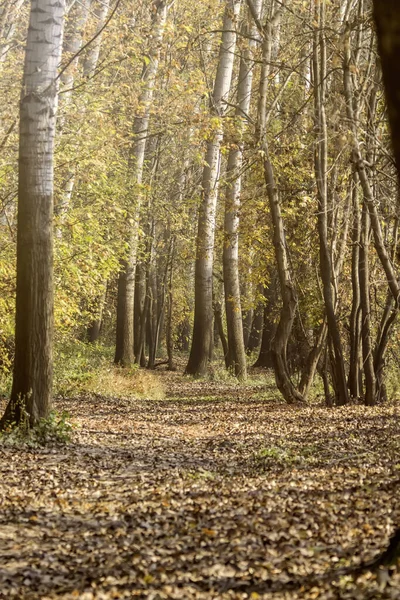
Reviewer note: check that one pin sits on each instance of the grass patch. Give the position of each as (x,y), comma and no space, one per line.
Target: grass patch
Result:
(125,383)
(286,457)
(82,368)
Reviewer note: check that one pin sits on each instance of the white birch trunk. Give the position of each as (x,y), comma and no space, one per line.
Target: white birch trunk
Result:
(93,52)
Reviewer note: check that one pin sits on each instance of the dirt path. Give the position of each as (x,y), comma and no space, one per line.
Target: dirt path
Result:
(215,492)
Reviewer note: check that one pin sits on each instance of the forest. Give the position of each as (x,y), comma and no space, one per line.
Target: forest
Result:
(199,299)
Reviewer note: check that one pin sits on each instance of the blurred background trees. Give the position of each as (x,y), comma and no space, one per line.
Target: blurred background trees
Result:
(301,235)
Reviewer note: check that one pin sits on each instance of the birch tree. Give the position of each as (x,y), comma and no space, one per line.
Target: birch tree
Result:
(32,379)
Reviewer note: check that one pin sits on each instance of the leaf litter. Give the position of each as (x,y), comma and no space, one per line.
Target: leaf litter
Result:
(217,491)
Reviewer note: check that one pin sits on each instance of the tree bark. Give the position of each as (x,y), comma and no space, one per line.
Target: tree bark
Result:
(237,354)
(387,19)
(203,310)
(321,154)
(93,52)
(368,363)
(287,287)
(355,366)
(94,329)
(359,163)
(124,348)
(32,378)
(256,325)
(268,329)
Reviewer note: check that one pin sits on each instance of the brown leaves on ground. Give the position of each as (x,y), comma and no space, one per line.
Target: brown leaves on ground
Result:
(218,491)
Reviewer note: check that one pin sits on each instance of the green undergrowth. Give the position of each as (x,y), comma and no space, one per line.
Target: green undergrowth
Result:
(82,368)
(56,429)
(275,456)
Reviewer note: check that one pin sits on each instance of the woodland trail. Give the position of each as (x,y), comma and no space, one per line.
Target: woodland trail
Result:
(216,491)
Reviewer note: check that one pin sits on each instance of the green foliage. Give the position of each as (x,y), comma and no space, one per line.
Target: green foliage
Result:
(82,368)
(274,456)
(76,365)
(56,429)
(6,354)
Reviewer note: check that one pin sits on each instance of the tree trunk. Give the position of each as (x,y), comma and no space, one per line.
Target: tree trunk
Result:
(256,327)
(387,321)
(268,329)
(237,354)
(124,351)
(221,333)
(9,12)
(368,363)
(93,52)
(387,19)
(247,319)
(93,331)
(170,303)
(288,291)
(140,296)
(355,366)
(203,310)
(32,379)
(359,163)
(313,358)
(326,266)
(153,304)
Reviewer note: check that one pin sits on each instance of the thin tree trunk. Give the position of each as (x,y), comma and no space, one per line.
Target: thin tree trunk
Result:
(93,52)
(268,329)
(170,303)
(9,12)
(288,291)
(256,327)
(247,318)
(153,308)
(359,163)
(237,354)
(387,321)
(203,310)
(73,40)
(355,366)
(368,364)
(313,358)
(326,267)
(221,333)
(124,349)
(93,331)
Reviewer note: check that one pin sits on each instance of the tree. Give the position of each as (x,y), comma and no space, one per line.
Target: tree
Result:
(321,168)
(287,285)
(124,349)
(32,379)
(236,351)
(203,311)
(387,18)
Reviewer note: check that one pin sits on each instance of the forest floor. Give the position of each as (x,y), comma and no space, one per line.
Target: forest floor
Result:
(215,491)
